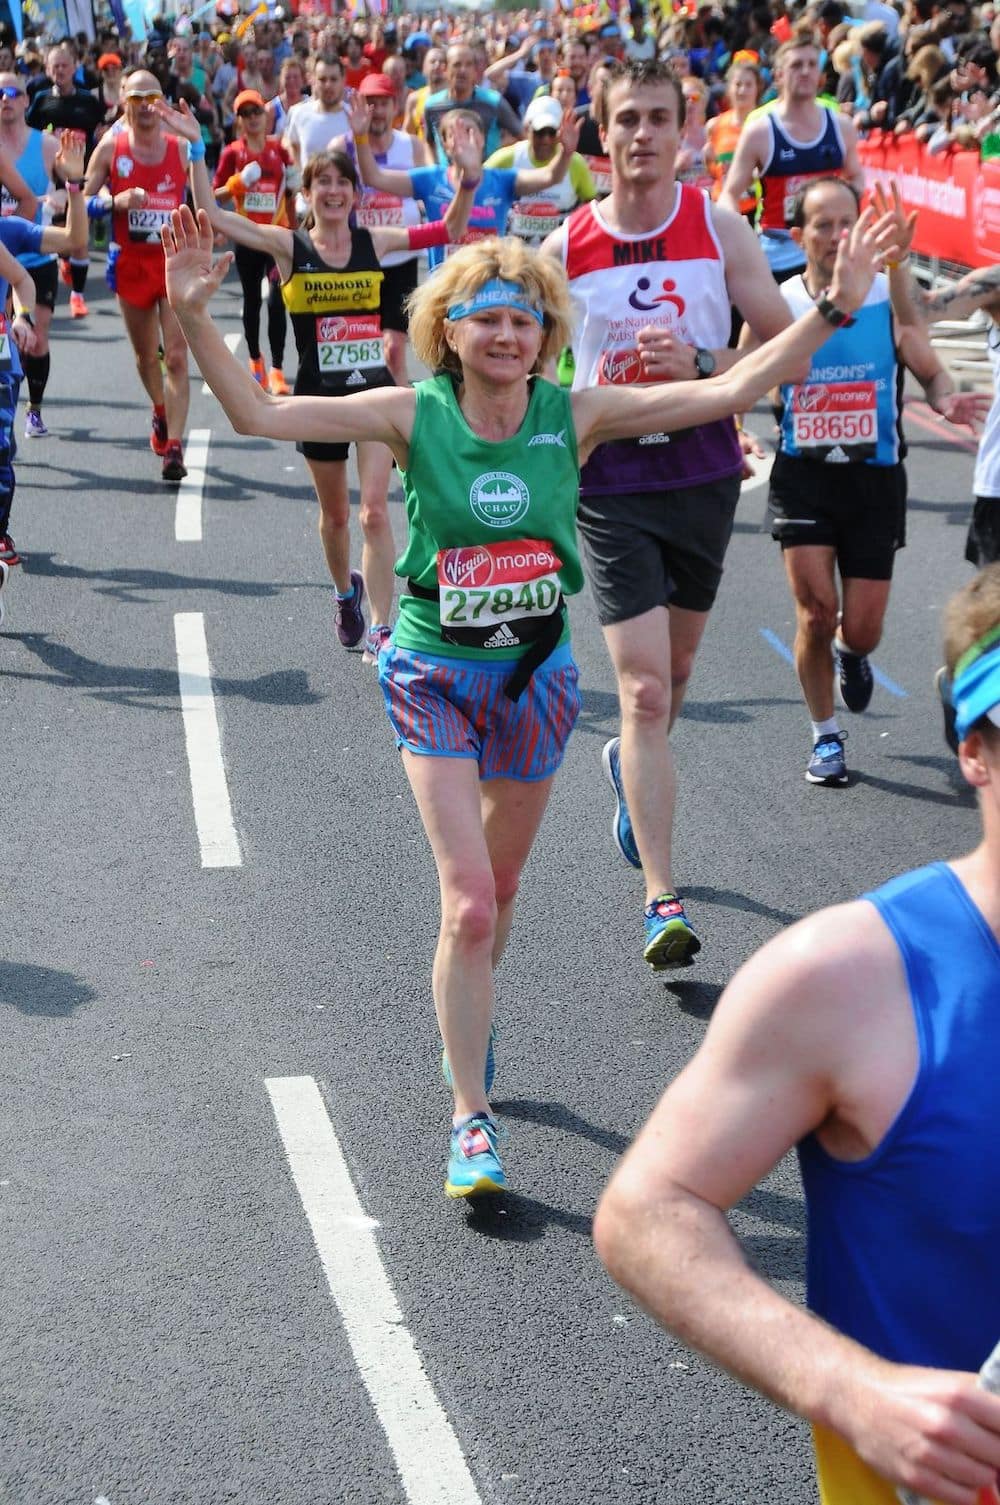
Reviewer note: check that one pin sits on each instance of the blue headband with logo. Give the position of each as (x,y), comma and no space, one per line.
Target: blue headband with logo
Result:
(497,293)
(975,691)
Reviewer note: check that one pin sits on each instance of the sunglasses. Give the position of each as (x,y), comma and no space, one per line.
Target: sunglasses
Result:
(10,92)
(141,97)
(250,110)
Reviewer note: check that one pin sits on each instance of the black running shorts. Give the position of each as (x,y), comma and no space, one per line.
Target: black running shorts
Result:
(859,510)
(982,545)
(657,548)
(45,276)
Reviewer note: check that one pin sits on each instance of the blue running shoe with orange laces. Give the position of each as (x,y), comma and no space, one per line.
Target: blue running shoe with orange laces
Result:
(670,940)
(474,1168)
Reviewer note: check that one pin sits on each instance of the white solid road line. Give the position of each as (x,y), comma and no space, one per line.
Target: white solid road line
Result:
(213,814)
(232,341)
(187,518)
(426,1450)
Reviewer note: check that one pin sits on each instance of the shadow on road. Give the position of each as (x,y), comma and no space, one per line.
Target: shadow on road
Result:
(728,898)
(130,585)
(558,1116)
(695,998)
(951,797)
(41,990)
(123,684)
(514,1219)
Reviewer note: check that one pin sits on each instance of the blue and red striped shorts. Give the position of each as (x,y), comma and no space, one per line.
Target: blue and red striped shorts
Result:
(456,708)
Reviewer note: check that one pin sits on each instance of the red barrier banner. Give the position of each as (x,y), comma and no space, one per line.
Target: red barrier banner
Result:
(957,197)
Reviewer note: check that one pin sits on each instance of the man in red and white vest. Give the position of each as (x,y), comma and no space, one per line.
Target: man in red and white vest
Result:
(653,269)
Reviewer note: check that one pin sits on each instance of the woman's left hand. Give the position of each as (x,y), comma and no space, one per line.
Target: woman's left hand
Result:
(192,278)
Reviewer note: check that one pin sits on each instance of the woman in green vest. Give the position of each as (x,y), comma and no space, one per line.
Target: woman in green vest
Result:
(478,678)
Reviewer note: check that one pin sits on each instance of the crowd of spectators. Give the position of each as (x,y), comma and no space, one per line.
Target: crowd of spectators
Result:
(923,66)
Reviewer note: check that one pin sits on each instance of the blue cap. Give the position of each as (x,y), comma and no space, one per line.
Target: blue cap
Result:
(975,690)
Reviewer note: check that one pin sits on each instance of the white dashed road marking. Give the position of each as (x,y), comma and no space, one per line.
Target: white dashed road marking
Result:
(187,519)
(212,811)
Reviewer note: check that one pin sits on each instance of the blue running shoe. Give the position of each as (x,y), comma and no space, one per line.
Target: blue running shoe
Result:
(474,1168)
(491,1066)
(621,826)
(827,765)
(670,939)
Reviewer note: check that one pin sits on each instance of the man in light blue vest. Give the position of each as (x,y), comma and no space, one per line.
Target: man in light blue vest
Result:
(838,487)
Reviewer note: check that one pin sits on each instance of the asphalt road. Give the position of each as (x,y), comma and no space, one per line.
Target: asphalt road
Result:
(169,1329)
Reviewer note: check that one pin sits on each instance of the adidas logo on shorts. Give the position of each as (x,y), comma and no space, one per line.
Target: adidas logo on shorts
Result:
(503,638)
(355,379)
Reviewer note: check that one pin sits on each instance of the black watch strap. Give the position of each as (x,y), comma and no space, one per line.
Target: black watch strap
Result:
(831,313)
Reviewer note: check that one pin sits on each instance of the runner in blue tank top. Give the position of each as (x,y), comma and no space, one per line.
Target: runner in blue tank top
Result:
(838,485)
(869,1037)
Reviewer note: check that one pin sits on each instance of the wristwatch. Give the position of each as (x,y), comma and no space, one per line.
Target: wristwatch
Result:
(831,313)
(704,363)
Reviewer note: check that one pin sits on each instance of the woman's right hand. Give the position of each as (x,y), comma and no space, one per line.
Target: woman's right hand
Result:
(192,278)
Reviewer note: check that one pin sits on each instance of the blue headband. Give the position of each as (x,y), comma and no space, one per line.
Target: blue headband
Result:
(496,294)
(975,692)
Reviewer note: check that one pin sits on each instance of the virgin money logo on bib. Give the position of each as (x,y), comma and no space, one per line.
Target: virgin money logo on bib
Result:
(468,568)
(499,499)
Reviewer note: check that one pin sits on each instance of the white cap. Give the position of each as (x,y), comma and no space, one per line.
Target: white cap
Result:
(543,113)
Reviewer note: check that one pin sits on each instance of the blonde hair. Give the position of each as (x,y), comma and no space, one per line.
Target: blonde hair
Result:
(461,277)
(971,614)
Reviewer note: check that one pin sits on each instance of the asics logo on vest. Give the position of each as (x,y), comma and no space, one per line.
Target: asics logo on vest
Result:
(668,295)
(557,439)
(499,499)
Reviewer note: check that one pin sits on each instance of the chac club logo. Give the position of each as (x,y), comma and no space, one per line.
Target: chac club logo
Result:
(499,499)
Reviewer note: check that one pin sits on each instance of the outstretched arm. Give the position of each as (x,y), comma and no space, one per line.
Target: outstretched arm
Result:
(273,240)
(919,356)
(387,179)
(71,239)
(610,412)
(385,415)
(779,1060)
(537,179)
